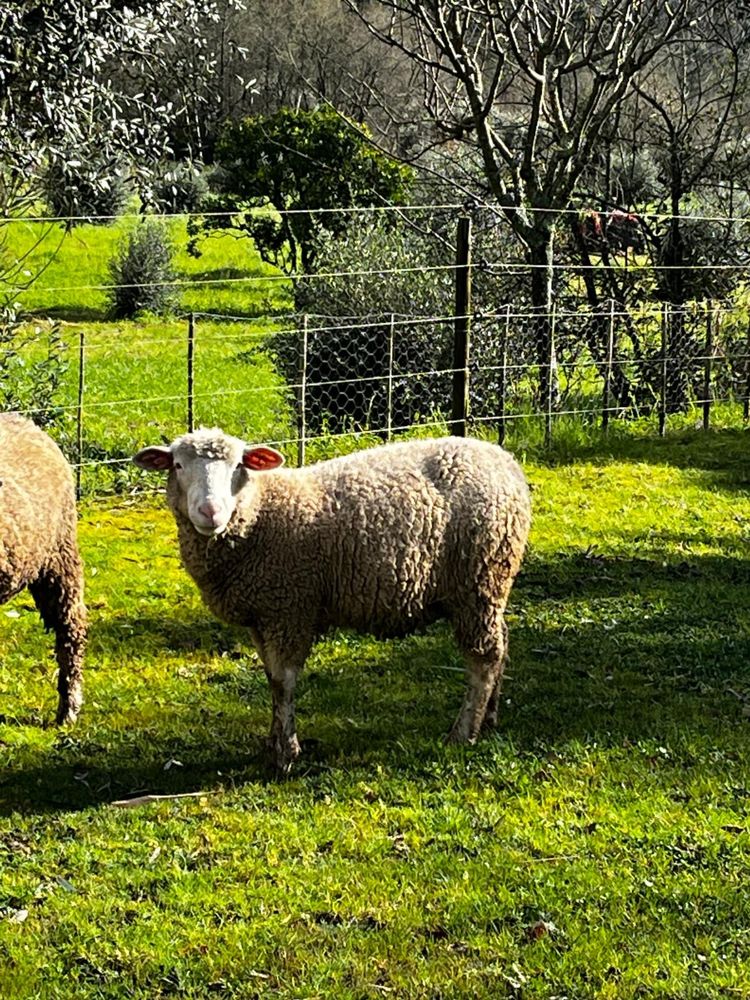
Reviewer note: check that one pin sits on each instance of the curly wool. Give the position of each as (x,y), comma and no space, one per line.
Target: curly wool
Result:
(383,541)
(39,547)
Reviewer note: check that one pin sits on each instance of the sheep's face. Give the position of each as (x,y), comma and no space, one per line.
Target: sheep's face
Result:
(207,469)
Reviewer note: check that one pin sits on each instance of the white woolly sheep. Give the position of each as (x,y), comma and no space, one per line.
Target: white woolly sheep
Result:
(383,541)
(39,546)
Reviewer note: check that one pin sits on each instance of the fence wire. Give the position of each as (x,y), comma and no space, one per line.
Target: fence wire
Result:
(370,353)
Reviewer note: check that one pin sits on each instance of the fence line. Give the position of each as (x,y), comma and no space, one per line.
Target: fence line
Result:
(377,375)
(470,204)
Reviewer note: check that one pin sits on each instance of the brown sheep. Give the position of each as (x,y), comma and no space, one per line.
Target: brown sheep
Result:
(383,541)
(39,548)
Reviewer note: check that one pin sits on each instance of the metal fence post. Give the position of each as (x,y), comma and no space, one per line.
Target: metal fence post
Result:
(707,367)
(191,373)
(79,409)
(302,394)
(664,349)
(460,406)
(389,388)
(549,402)
(503,387)
(607,398)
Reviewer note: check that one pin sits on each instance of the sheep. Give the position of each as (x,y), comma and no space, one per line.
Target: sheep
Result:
(384,541)
(39,546)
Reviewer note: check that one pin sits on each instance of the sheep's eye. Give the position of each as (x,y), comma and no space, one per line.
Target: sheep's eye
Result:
(177,465)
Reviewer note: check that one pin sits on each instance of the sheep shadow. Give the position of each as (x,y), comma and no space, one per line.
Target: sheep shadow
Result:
(603,649)
(722,454)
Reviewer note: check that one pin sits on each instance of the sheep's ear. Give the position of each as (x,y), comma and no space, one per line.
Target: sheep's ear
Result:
(155,458)
(262,458)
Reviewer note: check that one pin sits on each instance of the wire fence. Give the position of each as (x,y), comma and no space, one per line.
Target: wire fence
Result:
(460,360)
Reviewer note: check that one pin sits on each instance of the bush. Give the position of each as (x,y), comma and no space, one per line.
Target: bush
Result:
(91,191)
(181,188)
(141,272)
(348,361)
(32,367)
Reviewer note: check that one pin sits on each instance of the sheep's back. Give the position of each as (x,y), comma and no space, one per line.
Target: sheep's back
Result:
(413,528)
(37,502)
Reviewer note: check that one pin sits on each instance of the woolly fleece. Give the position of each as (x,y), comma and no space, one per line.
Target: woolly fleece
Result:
(39,547)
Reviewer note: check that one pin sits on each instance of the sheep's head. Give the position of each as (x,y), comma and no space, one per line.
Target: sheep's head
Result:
(207,469)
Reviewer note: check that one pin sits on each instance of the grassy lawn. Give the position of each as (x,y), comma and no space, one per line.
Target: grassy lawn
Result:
(135,372)
(597,846)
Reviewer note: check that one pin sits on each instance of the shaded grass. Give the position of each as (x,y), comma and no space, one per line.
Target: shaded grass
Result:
(597,846)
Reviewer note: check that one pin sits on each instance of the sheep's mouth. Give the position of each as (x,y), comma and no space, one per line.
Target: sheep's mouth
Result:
(209,530)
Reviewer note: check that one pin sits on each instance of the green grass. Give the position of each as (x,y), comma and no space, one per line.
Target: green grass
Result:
(72,266)
(597,847)
(135,372)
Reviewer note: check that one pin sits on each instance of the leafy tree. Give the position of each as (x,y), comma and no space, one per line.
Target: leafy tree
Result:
(65,114)
(529,86)
(287,176)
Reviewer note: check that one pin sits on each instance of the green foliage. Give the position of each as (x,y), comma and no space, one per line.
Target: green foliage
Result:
(306,162)
(142,272)
(596,847)
(33,368)
(180,187)
(386,266)
(96,191)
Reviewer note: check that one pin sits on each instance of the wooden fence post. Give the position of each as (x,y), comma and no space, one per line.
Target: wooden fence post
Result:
(607,399)
(191,374)
(79,409)
(302,394)
(460,407)
(503,387)
(707,367)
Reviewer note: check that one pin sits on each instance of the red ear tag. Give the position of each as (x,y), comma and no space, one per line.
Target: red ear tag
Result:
(262,458)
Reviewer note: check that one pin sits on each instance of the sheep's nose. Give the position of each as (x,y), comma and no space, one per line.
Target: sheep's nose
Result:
(211,511)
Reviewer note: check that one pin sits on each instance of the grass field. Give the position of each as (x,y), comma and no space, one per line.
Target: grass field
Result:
(597,846)
(135,372)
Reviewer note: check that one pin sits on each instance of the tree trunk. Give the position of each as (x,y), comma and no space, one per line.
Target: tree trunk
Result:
(597,333)
(540,255)
(681,347)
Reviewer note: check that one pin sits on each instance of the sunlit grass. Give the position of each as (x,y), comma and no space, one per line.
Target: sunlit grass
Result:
(597,846)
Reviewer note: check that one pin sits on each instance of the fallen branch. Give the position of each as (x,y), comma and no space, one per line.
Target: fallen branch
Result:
(144,800)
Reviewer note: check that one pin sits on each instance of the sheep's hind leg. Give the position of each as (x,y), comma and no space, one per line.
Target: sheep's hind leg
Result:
(484,672)
(282,665)
(493,705)
(60,604)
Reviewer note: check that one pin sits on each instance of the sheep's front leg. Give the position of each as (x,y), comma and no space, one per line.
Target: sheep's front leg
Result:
(59,599)
(283,663)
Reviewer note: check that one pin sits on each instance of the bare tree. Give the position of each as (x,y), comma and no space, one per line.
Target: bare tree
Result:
(529,86)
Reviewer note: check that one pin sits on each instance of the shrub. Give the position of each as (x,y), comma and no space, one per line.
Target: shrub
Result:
(348,361)
(181,188)
(142,271)
(32,367)
(92,191)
